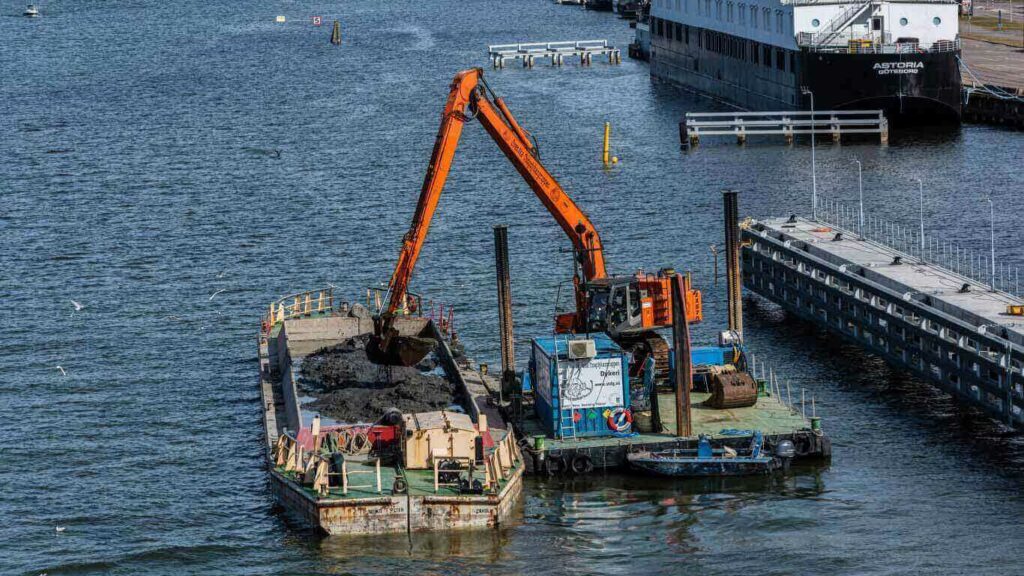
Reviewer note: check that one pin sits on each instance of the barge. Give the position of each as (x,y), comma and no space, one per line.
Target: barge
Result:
(443,470)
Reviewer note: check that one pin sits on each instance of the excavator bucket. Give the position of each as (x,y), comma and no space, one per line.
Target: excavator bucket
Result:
(400,342)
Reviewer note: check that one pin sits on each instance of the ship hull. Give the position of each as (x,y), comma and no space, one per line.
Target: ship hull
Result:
(918,88)
(913,88)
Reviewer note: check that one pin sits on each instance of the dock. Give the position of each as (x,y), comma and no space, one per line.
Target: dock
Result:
(370,495)
(741,125)
(555,52)
(927,307)
(993,80)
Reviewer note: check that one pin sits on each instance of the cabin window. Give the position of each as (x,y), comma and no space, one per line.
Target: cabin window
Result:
(729,11)
(765,13)
(718,9)
(767,56)
(679,32)
(780,60)
(815,22)
(743,14)
(778,22)
(936,20)
(686,34)
(904,21)
(755,53)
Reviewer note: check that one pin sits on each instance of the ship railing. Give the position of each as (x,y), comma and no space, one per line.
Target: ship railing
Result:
(298,305)
(863,46)
(314,469)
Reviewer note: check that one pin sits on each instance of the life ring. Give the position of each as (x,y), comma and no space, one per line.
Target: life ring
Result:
(581,465)
(620,420)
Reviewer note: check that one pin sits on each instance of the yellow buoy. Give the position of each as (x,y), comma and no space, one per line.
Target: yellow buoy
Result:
(615,159)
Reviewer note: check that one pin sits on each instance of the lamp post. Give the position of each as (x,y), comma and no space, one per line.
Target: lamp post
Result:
(992,234)
(814,171)
(860,186)
(920,189)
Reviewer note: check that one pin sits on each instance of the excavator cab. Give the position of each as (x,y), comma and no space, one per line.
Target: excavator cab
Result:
(624,305)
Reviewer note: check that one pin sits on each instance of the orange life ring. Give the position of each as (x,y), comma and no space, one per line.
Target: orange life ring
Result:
(620,420)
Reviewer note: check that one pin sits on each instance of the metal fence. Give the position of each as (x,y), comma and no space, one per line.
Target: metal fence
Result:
(971,264)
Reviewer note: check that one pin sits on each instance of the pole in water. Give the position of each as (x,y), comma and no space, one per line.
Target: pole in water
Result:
(683,367)
(336,34)
(503,273)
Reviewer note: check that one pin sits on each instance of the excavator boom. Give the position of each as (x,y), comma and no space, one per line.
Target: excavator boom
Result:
(469,98)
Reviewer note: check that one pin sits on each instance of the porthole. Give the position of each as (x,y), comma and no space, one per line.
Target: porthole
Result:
(936,20)
(815,22)
(904,21)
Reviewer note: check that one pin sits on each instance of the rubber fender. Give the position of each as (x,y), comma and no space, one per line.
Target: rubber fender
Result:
(399,486)
(581,465)
(801,444)
(554,465)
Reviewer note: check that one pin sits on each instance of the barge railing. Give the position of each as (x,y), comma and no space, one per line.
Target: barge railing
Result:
(298,305)
(970,264)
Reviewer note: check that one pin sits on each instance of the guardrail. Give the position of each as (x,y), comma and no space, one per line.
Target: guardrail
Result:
(744,124)
(556,52)
(298,305)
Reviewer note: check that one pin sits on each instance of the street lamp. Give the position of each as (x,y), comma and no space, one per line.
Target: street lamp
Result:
(920,189)
(860,185)
(992,233)
(814,172)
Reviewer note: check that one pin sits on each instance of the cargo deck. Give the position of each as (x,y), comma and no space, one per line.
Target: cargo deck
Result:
(371,503)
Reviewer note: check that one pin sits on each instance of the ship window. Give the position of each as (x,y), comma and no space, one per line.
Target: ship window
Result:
(936,20)
(718,9)
(767,56)
(904,21)
(780,60)
(677,5)
(686,34)
(755,53)
(729,9)
(707,7)
(753,16)
(679,32)
(815,22)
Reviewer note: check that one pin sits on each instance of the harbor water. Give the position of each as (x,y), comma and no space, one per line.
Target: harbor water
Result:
(174,167)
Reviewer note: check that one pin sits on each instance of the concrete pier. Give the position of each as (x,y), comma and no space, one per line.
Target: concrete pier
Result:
(953,331)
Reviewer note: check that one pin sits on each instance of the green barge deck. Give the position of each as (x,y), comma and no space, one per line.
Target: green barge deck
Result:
(775,419)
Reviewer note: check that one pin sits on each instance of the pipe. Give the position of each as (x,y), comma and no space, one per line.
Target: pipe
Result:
(501,267)
(683,367)
(732,261)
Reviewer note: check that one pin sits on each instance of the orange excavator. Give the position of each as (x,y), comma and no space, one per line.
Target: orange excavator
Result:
(628,308)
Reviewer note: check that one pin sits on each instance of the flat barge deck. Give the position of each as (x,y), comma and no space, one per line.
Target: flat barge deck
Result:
(934,320)
(369,494)
(772,415)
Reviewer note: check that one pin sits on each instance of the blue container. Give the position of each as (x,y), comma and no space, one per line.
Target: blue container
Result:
(576,396)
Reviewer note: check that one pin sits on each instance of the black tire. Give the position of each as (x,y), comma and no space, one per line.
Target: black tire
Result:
(399,486)
(582,465)
(801,445)
(554,465)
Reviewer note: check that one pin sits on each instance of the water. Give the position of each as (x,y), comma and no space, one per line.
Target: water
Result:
(156,153)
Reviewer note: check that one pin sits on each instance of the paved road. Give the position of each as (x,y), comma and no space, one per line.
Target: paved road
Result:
(994,63)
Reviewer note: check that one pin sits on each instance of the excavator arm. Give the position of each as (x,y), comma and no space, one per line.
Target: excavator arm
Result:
(470,94)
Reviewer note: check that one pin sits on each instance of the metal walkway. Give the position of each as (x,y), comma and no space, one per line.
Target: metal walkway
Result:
(943,326)
(832,123)
(555,52)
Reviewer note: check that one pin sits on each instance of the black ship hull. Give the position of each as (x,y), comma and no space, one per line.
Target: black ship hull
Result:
(915,88)
(912,88)
(600,5)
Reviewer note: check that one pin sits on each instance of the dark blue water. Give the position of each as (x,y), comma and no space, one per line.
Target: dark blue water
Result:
(174,167)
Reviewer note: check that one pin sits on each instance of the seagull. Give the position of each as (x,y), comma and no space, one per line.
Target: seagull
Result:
(78,305)
(215,293)
(61,528)
(222,273)
(61,368)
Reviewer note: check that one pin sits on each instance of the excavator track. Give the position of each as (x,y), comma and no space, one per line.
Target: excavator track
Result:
(643,346)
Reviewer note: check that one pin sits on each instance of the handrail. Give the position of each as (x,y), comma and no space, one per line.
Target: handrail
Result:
(298,305)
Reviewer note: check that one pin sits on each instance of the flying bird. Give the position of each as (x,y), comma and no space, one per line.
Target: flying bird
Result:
(215,293)
(61,368)
(78,305)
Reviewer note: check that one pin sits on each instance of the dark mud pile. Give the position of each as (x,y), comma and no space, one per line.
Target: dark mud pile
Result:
(349,388)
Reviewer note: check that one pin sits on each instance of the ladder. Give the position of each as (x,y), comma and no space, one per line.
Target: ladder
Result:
(565,423)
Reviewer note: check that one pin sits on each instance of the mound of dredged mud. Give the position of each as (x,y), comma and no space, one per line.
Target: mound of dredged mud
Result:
(349,388)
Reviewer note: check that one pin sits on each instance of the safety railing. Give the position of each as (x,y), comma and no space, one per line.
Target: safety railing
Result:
(970,263)
(298,305)
(314,468)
